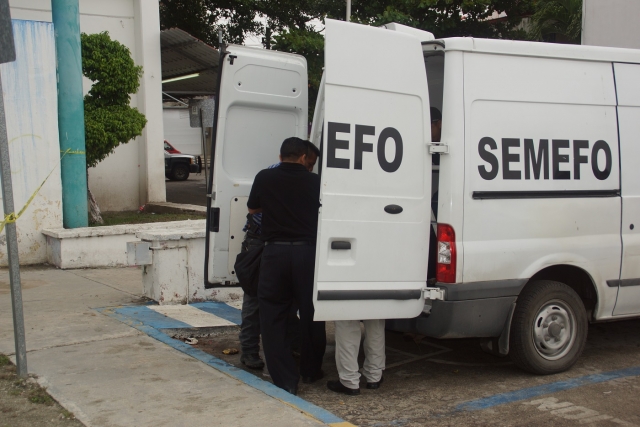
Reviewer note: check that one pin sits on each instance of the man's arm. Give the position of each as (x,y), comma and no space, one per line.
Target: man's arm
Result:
(253,204)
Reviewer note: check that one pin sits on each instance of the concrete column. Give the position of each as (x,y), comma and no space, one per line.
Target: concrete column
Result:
(66,22)
(152,180)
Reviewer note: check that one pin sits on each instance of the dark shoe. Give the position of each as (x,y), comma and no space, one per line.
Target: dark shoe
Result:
(338,387)
(376,385)
(252,361)
(313,378)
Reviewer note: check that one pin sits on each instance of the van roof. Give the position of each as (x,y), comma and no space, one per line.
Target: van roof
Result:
(539,49)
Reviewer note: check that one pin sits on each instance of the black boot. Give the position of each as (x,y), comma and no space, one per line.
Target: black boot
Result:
(252,361)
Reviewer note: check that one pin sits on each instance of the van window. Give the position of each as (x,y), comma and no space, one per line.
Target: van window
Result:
(434,64)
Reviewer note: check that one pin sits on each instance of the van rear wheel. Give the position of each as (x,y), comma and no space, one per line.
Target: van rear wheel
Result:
(549,328)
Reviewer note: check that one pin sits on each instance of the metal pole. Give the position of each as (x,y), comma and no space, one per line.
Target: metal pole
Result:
(73,167)
(348,10)
(12,247)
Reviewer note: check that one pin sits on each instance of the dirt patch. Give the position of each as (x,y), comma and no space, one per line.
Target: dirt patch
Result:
(23,403)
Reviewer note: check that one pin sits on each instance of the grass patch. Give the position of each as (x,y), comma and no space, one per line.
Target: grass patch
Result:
(66,414)
(40,396)
(135,217)
(4,360)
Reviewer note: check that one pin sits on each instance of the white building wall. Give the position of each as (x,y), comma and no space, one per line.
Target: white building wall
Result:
(178,131)
(612,23)
(31,108)
(134,174)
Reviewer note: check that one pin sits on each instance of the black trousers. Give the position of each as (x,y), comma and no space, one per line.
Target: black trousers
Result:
(286,278)
(250,327)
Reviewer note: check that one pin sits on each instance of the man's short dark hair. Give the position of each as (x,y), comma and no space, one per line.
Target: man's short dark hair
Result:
(312,149)
(292,148)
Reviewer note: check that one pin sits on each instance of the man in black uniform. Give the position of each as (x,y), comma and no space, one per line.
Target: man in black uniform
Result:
(288,197)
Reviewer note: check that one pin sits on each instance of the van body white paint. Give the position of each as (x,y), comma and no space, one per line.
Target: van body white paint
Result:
(538,189)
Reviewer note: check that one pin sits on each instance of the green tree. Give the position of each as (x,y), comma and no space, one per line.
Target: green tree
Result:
(109,120)
(557,21)
(203,18)
(448,18)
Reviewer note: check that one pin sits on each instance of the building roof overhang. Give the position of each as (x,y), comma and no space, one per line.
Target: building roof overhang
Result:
(184,55)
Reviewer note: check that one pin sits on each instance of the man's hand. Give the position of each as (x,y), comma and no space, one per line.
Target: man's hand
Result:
(255,211)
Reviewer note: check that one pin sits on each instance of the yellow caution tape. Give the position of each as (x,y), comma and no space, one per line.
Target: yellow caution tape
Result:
(70,151)
(12,217)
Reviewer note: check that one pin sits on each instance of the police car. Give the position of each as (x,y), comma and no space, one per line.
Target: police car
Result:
(538,184)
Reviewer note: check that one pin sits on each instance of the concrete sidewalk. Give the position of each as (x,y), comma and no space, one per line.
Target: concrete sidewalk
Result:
(110,374)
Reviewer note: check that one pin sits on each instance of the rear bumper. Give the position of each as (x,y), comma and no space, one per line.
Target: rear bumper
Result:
(479,310)
(460,319)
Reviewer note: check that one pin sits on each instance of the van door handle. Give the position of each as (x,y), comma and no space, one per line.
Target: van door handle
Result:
(340,245)
(393,209)
(214,220)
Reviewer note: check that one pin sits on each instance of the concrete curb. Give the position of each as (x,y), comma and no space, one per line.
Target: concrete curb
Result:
(168,207)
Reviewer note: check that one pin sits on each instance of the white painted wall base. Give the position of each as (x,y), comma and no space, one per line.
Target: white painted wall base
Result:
(176,273)
(93,247)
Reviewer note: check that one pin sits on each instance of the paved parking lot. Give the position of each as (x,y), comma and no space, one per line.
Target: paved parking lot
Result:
(193,191)
(452,382)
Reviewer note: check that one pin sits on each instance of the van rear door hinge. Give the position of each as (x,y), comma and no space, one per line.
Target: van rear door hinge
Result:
(433,293)
(438,148)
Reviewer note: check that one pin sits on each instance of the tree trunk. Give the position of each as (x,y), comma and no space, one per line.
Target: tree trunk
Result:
(95,217)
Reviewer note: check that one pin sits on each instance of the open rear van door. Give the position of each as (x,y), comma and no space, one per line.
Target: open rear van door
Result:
(373,232)
(262,100)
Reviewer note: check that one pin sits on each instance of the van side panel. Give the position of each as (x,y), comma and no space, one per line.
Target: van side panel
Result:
(628,89)
(541,170)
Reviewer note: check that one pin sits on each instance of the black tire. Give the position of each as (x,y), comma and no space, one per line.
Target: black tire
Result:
(180,172)
(549,328)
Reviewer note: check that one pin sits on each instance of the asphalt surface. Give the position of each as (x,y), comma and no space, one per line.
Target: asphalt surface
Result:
(193,191)
(432,382)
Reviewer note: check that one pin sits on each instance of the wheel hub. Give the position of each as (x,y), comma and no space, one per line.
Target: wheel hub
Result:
(554,330)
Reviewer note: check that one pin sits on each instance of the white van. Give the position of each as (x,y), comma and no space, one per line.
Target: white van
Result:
(538,184)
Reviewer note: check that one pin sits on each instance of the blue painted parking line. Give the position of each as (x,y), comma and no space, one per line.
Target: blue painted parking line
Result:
(220,309)
(531,392)
(151,318)
(149,322)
